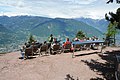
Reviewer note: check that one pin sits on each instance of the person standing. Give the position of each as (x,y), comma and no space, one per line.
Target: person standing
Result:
(50,38)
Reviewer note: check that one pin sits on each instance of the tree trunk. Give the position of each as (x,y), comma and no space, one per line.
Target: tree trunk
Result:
(114,40)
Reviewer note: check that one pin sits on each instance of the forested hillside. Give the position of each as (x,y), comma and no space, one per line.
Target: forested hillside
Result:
(17,29)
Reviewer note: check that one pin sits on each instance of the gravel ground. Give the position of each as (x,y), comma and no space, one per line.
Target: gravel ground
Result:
(52,67)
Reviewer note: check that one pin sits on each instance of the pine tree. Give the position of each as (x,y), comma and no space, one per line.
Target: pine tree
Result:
(111,1)
(80,34)
(114,17)
(31,38)
(111,32)
(114,20)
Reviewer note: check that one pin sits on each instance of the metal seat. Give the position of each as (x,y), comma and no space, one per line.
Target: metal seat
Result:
(28,52)
(56,48)
(67,47)
(43,48)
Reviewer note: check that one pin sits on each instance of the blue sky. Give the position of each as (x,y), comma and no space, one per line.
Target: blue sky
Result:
(95,9)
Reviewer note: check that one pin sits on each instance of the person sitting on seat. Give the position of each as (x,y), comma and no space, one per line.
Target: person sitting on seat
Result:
(28,44)
(67,42)
(67,45)
(43,48)
(23,50)
(44,43)
(55,42)
(76,39)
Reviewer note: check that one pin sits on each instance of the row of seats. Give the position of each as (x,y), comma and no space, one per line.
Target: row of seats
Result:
(46,49)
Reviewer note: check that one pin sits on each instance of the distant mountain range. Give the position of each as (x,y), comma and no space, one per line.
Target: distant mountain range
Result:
(17,29)
(100,24)
(63,28)
(40,25)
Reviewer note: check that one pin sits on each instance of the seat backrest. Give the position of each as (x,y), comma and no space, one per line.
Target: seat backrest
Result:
(97,44)
(35,48)
(68,46)
(77,46)
(56,47)
(88,45)
(28,51)
(43,48)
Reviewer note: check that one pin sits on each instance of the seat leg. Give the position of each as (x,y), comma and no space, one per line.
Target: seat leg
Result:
(73,53)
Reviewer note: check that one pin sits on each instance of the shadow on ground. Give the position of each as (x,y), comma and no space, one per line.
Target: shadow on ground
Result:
(84,54)
(27,58)
(106,69)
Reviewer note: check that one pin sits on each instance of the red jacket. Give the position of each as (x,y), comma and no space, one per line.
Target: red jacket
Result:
(67,42)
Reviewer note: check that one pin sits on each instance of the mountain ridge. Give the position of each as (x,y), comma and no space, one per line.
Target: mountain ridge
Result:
(100,24)
(21,27)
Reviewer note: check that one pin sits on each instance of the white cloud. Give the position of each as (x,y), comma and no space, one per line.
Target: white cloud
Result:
(12,14)
(57,8)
